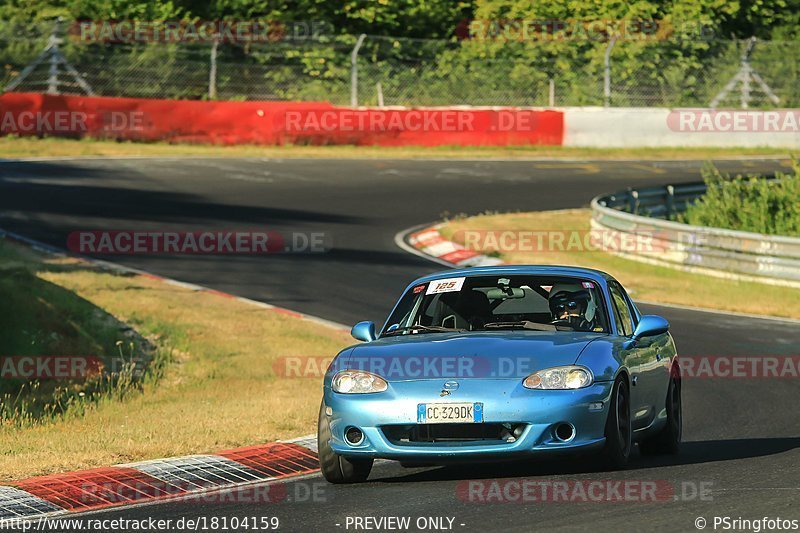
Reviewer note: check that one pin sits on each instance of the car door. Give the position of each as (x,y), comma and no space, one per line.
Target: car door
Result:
(638,359)
(654,371)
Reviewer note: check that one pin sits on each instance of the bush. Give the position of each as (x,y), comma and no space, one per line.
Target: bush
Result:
(751,203)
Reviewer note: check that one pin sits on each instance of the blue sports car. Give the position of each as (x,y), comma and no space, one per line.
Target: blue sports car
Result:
(501,362)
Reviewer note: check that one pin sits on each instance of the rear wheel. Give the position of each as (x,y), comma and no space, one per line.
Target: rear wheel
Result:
(335,468)
(618,433)
(668,440)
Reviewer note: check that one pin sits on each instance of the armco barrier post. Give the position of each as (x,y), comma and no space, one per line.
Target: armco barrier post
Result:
(632,196)
(670,202)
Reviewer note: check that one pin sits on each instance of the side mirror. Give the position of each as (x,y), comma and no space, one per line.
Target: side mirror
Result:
(364,331)
(650,326)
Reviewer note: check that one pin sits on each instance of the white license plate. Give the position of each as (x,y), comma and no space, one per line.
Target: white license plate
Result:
(449,413)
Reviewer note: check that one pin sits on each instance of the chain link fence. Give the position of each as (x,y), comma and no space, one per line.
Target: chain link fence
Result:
(393,71)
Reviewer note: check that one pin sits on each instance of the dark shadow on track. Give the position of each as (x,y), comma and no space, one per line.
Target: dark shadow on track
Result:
(691,453)
(129,196)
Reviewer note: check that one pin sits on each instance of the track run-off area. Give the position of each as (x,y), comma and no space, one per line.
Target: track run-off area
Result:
(741,436)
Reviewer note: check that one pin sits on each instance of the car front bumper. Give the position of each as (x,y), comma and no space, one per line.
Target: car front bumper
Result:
(505,401)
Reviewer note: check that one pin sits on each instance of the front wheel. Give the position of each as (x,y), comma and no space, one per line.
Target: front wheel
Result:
(335,468)
(618,432)
(668,440)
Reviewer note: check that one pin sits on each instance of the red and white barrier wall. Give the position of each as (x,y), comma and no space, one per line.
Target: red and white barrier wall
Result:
(320,123)
(630,127)
(275,123)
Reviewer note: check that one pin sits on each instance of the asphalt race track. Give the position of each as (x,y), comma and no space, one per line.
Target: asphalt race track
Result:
(741,436)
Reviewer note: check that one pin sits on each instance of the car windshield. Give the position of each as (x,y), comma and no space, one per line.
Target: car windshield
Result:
(490,303)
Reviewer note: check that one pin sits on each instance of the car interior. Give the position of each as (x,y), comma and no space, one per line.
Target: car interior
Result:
(474,307)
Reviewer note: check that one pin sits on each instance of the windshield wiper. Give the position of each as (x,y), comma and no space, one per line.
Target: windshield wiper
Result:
(522,324)
(419,328)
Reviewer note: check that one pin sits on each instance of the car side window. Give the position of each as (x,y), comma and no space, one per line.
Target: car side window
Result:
(635,311)
(622,311)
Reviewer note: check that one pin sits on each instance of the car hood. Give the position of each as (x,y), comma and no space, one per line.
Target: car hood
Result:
(494,355)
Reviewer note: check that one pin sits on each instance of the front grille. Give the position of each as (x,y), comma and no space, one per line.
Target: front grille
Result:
(407,434)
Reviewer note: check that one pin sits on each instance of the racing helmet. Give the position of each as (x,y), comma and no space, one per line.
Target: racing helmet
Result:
(574,298)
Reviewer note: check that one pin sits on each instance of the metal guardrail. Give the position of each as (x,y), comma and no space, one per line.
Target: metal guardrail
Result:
(646,217)
(657,202)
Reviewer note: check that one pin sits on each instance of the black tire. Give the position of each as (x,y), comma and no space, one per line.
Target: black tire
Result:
(668,439)
(335,468)
(619,434)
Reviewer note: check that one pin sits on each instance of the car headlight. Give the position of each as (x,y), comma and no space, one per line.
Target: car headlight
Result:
(358,382)
(559,378)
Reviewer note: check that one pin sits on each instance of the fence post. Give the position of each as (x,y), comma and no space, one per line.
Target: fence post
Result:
(52,80)
(743,75)
(552,98)
(354,70)
(52,53)
(212,71)
(607,72)
(745,99)
(379,91)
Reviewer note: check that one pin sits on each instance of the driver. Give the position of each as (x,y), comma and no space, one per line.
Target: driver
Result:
(573,305)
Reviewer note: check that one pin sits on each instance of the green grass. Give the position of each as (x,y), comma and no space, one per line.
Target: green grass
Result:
(750,203)
(21,147)
(213,381)
(41,319)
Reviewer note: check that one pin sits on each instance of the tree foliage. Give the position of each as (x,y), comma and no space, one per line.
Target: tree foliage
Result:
(428,18)
(750,203)
(421,51)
